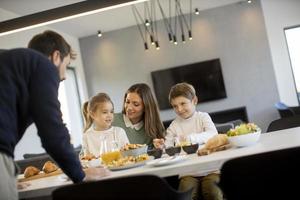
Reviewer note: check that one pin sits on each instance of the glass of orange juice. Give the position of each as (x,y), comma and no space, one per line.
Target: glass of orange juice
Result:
(108,157)
(109,151)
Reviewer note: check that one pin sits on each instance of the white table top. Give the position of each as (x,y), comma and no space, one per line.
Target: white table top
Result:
(193,164)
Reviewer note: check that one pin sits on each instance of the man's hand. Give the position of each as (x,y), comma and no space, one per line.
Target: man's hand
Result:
(22,185)
(95,173)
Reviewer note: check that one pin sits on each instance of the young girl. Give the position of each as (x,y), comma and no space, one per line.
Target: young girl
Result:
(98,114)
(193,126)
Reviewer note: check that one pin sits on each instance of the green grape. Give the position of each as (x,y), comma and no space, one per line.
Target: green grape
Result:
(243,129)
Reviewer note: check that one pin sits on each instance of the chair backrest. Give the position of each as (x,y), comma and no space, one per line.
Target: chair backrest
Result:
(224,127)
(33,155)
(281,106)
(271,175)
(284,110)
(132,187)
(284,123)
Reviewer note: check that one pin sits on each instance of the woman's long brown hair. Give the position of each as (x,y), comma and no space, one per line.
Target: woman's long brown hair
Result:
(153,125)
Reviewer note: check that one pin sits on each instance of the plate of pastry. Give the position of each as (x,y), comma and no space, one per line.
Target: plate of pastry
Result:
(31,172)
(129,162)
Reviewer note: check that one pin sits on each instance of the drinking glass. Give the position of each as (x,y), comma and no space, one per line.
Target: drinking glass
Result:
(109,150)
(182,140)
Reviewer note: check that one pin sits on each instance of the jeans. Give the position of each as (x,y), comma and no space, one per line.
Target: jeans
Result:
(205,187)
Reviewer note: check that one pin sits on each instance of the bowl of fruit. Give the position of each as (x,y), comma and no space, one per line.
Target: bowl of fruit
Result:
(244,135)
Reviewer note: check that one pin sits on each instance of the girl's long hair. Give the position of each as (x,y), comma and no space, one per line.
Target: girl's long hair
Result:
(91,106)
(153,125)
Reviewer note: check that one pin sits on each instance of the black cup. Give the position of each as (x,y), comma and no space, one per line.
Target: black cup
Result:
(191,148)
(171,151)
(156,153)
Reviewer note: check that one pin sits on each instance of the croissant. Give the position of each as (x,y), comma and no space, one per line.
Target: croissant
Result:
(31,171)
(49,167)
(216,141)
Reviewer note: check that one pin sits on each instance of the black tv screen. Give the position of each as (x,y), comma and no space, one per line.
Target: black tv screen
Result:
(206,77)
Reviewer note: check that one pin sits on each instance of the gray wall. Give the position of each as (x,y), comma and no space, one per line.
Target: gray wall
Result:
(235,33)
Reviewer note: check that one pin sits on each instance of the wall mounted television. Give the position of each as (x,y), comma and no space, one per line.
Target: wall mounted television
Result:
(206,77)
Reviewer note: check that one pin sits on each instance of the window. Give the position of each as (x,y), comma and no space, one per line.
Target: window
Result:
(69,98)
(293,42)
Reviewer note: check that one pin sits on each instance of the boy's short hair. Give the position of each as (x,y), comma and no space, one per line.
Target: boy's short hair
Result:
(50,41)
(182,89)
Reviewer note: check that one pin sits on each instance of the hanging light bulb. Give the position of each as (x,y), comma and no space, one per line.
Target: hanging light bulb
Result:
(146,46)
(148,28)
(249,1)
(99,34)
(190,35)
(147,23)
(157,45)
(175,39)
(170,37)
(183,38)
(152,40)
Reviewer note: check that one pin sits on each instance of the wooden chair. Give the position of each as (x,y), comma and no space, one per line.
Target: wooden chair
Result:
(284,123)
(148,187)
(271,175)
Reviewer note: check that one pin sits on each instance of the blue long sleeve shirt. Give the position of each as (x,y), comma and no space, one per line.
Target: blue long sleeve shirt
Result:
(29,94)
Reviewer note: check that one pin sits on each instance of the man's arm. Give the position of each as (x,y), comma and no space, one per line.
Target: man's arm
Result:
(45,110)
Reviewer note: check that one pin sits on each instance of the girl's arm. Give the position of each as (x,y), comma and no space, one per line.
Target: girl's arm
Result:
(122,138)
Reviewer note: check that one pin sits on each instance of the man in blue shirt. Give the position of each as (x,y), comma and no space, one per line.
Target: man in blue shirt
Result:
(29,81)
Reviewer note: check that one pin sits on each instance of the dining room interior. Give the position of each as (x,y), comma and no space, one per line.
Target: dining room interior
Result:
(248,38)
(247,53)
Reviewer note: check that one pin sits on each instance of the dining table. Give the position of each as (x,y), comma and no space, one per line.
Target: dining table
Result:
(187,164)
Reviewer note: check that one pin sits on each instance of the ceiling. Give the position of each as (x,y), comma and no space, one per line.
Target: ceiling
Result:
(105,21)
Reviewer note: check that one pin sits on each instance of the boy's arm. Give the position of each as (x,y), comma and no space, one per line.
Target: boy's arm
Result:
(171,134)
(209,130)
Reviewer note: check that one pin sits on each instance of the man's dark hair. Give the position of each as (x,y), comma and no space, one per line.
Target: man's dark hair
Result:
(50,41)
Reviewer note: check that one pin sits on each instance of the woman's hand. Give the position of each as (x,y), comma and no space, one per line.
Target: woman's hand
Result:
(159,143)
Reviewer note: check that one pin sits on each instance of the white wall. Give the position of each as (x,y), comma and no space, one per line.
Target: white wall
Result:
(30,143)
(234,33)
(278,15)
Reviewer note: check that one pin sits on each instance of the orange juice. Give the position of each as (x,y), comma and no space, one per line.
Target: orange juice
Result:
(110,156)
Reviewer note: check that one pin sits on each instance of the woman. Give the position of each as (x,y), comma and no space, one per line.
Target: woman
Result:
(140,116)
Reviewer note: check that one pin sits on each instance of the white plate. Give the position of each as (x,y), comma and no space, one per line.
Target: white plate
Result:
(166,161)
(138,164)
(90,163)
(63,178)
